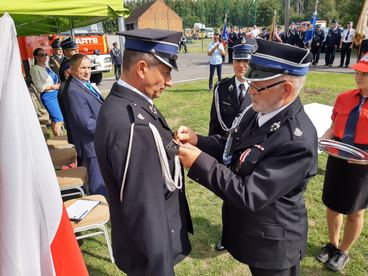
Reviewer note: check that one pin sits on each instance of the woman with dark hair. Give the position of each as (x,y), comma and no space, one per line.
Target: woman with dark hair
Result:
(47,84)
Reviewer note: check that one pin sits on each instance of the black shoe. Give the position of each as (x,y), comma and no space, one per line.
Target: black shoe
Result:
(314,63)
(326,64)
(346,66)
(338,260)
(330,65)
(341,65)
(326,252)
(219,246)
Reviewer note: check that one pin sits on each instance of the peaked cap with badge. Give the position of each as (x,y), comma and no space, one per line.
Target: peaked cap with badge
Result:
(68,43)
(56,44)
(243,48)
(272,59)
(162,44)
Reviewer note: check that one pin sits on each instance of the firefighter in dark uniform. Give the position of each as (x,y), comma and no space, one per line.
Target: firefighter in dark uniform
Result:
(332,43)
(233,36)
(267,162)
(150,218)
(319,36)
(230,94)
(57,57)
(69,49)
(292,35)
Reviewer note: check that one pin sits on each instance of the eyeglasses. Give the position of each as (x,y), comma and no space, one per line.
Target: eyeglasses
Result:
(259,90)
(42,55)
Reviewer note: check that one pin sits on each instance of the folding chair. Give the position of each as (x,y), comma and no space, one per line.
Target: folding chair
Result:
(59,142)
(72,179)
(63,157)
(94,222)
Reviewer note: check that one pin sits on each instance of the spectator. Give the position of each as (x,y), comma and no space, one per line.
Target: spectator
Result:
(319,36)
(69,49)
(82,103)
(115,54)
(346,44)
(215,52)
(57,57)
(47,84)
(183,43)
(332,43)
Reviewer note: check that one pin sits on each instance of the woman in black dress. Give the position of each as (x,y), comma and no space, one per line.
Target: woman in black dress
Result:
(345,190)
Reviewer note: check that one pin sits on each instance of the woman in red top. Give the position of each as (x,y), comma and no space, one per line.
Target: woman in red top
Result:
(345,190)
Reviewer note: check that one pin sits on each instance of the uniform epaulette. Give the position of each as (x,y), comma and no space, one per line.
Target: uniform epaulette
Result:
(222,81)
(137,115)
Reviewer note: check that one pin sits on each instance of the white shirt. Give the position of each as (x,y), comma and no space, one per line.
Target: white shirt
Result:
(237,83)
(127,85)
(264,118)
(350,36)
(216,57)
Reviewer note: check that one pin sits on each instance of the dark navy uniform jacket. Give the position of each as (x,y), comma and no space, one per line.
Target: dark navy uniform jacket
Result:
(264,215)
(333,37)
(65,64)
(150,226)
(229,104)
(55,63)
(81,108)
(318,37)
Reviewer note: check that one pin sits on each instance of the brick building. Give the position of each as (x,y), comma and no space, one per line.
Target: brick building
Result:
(156,15)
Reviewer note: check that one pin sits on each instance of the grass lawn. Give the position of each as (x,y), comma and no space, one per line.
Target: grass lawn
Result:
(189,104)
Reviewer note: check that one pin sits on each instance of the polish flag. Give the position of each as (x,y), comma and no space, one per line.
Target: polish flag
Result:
(36,236)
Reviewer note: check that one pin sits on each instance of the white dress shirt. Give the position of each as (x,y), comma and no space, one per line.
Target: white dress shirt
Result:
(127,85)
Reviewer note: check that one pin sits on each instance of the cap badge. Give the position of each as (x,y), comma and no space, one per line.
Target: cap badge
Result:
(298,132)
(140,116)
(231,87)
(152,109)
(275,126)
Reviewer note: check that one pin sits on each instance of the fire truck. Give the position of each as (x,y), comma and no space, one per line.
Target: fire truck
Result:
(91,41)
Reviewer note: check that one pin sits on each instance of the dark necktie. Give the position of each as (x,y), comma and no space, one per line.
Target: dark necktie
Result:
(347,35)
(90,87)
(352,122)
(241,93)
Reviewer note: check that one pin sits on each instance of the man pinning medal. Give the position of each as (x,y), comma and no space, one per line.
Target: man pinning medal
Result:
(266,164)
(230,94)
(150,217)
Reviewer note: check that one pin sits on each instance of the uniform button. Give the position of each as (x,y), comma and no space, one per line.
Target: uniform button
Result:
(172,231)
(197,179)
(237,138)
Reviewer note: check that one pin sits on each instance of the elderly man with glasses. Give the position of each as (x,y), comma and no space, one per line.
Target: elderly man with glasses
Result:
(266,162)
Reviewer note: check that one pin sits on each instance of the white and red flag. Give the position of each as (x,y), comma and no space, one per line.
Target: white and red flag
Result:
(36,236)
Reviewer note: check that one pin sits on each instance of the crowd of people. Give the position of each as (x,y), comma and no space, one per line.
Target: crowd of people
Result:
(258,158)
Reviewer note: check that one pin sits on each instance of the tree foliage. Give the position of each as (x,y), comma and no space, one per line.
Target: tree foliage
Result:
(259,12)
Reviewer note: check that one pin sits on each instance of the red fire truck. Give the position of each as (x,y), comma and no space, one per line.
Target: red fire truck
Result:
(91,41)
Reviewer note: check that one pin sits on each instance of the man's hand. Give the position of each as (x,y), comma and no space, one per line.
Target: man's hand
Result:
(188,154)
(185,135)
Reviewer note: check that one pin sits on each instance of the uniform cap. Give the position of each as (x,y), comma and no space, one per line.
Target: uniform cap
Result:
(68,43)
(56,44)
(162,44)
(362,65)
(244,48)
(272,59)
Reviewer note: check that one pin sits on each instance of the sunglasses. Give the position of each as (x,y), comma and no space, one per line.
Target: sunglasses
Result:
(259,90)
(42,55)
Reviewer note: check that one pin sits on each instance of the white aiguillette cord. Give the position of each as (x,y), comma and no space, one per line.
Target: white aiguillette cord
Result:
(171,184)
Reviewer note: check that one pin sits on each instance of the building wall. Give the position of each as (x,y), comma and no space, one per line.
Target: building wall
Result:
(160,16)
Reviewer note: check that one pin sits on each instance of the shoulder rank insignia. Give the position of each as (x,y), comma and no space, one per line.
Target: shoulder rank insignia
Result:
(275,126)
(298,132)
(140,116)
(152,108)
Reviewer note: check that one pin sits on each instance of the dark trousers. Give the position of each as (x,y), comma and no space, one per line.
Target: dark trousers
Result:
(292,271)
(345,50)
(330,55)
(96,184)
(230,53)
(117,71)
(316,52)
(218,68)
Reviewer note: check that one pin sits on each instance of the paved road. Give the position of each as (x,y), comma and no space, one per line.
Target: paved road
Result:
(194,66)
